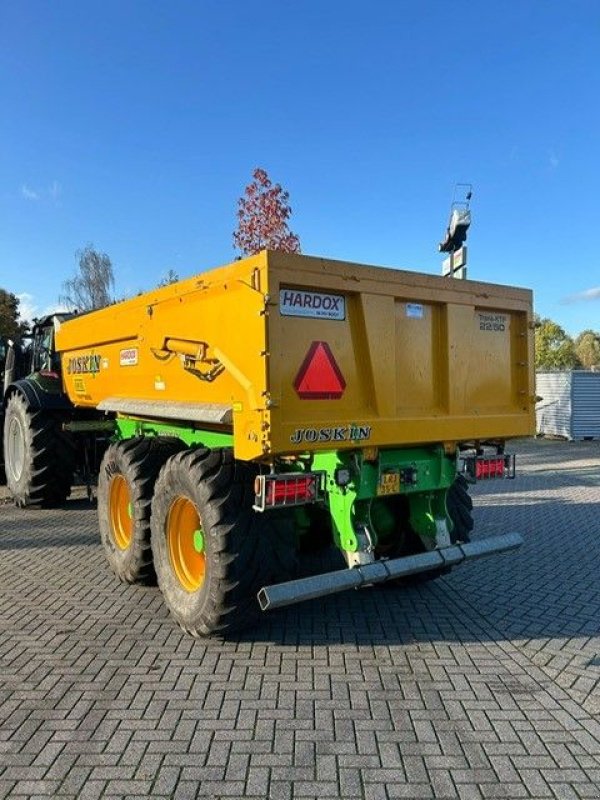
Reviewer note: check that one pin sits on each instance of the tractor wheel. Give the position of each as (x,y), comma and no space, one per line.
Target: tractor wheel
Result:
(212,551)
(460,506)
(125,485)
(39,457)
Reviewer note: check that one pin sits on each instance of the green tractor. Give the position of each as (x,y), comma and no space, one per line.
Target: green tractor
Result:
(38,455)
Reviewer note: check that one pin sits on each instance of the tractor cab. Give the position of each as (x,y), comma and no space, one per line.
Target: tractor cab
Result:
(11,362)
(33,355)
(42,356)
(39,352)
(4,345)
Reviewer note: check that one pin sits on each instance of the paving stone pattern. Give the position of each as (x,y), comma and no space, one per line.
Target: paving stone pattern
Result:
(482,684)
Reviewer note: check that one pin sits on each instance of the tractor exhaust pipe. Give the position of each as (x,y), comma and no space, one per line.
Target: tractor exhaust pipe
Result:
(284,594)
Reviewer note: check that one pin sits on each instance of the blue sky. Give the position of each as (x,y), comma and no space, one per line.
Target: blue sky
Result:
(135,126)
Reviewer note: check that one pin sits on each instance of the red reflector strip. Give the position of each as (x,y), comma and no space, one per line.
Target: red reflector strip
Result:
(482,468)
(489,468)
(286,491)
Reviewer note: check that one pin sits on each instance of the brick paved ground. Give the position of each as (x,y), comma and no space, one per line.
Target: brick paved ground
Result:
(483,684)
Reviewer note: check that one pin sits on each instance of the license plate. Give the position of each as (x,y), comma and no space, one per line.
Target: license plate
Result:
(389,483)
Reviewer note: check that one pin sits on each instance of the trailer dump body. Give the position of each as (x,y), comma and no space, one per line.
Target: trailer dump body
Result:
(293,354)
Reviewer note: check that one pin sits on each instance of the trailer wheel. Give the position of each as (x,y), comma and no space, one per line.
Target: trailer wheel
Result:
(39,457)
(125,484)
(460,506)
(318,533)
(212,552)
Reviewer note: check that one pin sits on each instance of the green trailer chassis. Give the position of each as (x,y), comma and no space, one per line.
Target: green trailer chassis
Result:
(359,490)
(363,491)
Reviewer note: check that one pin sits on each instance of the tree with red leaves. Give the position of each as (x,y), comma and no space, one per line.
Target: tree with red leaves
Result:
(262,215)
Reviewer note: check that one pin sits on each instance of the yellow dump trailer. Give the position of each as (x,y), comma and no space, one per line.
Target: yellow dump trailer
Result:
(295,353)
(286,402)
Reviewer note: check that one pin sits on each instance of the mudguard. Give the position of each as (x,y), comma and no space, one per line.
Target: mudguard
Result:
(37,394)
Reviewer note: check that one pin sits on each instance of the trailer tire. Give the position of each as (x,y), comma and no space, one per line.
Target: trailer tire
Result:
(318,535)
(460,507)
(212,551)
(126,480)
(39,456)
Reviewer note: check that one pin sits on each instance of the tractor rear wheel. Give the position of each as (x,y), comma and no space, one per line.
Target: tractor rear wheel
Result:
(39,456)
(212,551)
(125,485)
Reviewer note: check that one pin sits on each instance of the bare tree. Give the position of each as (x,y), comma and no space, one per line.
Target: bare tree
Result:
(93,284)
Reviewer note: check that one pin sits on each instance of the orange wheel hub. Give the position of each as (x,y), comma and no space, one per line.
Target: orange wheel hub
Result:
(120,512)
(185,539)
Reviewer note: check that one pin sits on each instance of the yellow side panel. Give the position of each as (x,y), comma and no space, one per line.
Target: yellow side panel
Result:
(146,348)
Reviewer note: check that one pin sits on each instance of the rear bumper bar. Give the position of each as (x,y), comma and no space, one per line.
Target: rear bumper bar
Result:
(285,594)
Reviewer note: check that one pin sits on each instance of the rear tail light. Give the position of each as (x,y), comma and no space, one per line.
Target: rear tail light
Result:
(288,489)
(482,468)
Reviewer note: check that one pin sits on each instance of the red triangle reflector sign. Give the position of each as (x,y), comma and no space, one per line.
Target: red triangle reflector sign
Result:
(319,377)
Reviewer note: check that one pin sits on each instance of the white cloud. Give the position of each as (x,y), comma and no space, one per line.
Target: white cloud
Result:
(55,191)
(553,159)
(29,194)
(29,309)
(588,294)
(52,193)
(53,308)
